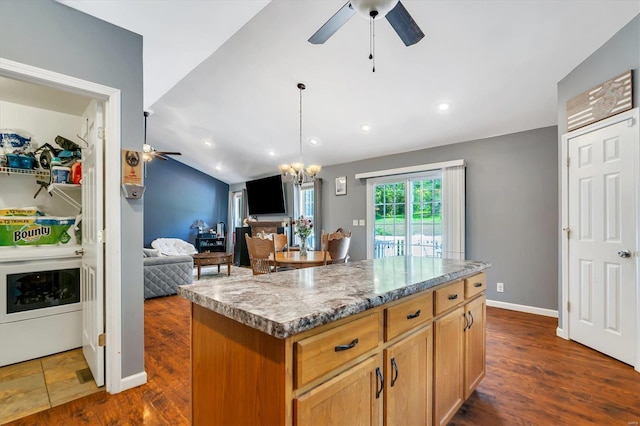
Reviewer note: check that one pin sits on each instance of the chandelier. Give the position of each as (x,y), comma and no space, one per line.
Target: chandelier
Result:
(295,172)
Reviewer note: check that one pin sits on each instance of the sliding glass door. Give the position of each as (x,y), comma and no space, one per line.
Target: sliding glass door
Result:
(407,215)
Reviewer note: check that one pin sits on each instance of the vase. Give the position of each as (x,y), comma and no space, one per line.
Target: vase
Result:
(303,246)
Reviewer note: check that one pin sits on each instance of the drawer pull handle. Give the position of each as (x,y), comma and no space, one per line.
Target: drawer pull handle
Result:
(416,314)
(466,322)
(346,347)
(395,371)
(472,320)
(380,381)
(477,285)
(453,296)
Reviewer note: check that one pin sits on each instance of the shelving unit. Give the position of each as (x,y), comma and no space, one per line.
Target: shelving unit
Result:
(38,174)
(210,243)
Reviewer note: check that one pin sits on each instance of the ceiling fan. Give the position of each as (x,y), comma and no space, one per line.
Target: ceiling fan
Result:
(393,10)
(149,152)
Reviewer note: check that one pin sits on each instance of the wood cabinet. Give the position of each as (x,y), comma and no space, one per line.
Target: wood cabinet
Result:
(210,243)
(412,361)
(459,345)
(408,384)
(354,394)
(448,366)
(475,344)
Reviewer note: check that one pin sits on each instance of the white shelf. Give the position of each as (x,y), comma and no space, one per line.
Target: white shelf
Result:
(41,174)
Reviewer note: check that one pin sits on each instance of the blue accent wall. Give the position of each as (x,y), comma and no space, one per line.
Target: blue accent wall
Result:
(176,195)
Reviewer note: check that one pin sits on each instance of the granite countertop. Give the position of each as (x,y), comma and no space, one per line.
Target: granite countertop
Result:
(286,303)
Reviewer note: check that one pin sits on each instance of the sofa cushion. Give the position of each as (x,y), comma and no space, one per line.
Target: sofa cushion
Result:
(147,252)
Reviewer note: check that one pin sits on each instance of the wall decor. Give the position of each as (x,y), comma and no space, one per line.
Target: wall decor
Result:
(341,185)
(607,99)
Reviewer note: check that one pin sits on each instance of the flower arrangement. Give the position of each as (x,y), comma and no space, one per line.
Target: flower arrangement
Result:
(304,227)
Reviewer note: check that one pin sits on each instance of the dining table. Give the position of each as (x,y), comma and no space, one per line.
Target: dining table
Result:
(292,259)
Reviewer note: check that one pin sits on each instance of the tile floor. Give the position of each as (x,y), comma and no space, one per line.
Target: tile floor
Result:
(39,384)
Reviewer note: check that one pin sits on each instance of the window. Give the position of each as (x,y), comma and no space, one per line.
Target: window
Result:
(305,207)
(407,216)
(416,211)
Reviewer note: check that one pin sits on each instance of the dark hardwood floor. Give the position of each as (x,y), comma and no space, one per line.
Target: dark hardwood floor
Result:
(533,378)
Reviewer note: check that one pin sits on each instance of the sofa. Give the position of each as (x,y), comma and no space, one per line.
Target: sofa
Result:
(163,274)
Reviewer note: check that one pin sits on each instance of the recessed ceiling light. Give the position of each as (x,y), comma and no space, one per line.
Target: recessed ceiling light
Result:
(314,141)
(271,153)
(218,168)
(365,127)
(444,106)
(207,143)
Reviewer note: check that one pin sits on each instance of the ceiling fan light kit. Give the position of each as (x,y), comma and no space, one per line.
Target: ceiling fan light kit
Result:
(149,152)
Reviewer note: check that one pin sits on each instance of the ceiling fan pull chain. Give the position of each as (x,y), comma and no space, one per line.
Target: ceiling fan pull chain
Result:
(372,38)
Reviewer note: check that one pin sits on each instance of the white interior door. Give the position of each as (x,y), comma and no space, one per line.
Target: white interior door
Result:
(92,276)
(603,227)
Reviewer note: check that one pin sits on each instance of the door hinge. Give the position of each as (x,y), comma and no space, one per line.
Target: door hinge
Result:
(102,339)
(101,235)
(101,133)
(568,161)
(568,306)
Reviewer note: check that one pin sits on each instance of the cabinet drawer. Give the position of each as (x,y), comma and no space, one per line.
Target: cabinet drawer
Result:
(319,354)
(449,296)
(408,314)
(474,285)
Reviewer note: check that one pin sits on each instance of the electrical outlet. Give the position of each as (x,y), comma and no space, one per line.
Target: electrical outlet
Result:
(355,222)
(361,222)
(500,288)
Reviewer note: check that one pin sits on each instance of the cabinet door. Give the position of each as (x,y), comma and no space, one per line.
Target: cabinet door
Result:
(408,367)
(475,344)
(448,371)
(354,397)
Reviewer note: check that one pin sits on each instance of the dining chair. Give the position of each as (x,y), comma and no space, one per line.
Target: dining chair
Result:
(324,237)
(337,248)
(280,242)
(260,250)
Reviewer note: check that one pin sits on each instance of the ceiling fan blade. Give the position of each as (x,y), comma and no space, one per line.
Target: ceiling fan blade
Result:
(404,25)
(167,153)
(160,156)
(333,24)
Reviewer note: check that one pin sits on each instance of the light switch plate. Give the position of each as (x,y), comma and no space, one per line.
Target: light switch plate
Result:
(361,222)
(355,222)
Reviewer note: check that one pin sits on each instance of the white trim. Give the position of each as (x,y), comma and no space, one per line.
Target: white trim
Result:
(560,332)
(523,308)
(410,169)
(112,283)
(632,114)
(130,382)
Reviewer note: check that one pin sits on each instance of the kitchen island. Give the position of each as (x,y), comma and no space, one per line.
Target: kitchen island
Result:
(339,344)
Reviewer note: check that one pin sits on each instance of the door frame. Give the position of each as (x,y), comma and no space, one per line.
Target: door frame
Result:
(633,116)
(111,183)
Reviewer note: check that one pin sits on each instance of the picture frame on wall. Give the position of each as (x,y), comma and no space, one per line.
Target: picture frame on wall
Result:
(341,185)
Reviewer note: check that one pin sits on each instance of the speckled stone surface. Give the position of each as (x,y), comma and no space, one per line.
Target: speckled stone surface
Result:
(286,303)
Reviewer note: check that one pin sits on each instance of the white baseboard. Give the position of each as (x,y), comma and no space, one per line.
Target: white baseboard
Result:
(523,308)
(133,381)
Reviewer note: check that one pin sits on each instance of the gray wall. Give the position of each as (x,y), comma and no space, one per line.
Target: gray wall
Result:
(511,208)
(52,36)
(617,55)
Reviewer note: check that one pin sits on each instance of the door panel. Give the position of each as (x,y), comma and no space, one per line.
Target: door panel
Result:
(602,285)
(91,279)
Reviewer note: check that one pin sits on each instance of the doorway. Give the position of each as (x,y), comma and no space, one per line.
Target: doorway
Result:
(600,201)
(108,189)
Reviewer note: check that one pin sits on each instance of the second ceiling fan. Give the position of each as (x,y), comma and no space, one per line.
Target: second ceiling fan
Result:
(149,152)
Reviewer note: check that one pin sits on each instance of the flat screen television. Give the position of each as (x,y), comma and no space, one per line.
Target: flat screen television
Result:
(266,196)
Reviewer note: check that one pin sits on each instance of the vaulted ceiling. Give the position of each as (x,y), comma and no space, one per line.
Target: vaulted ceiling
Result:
(220,76)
